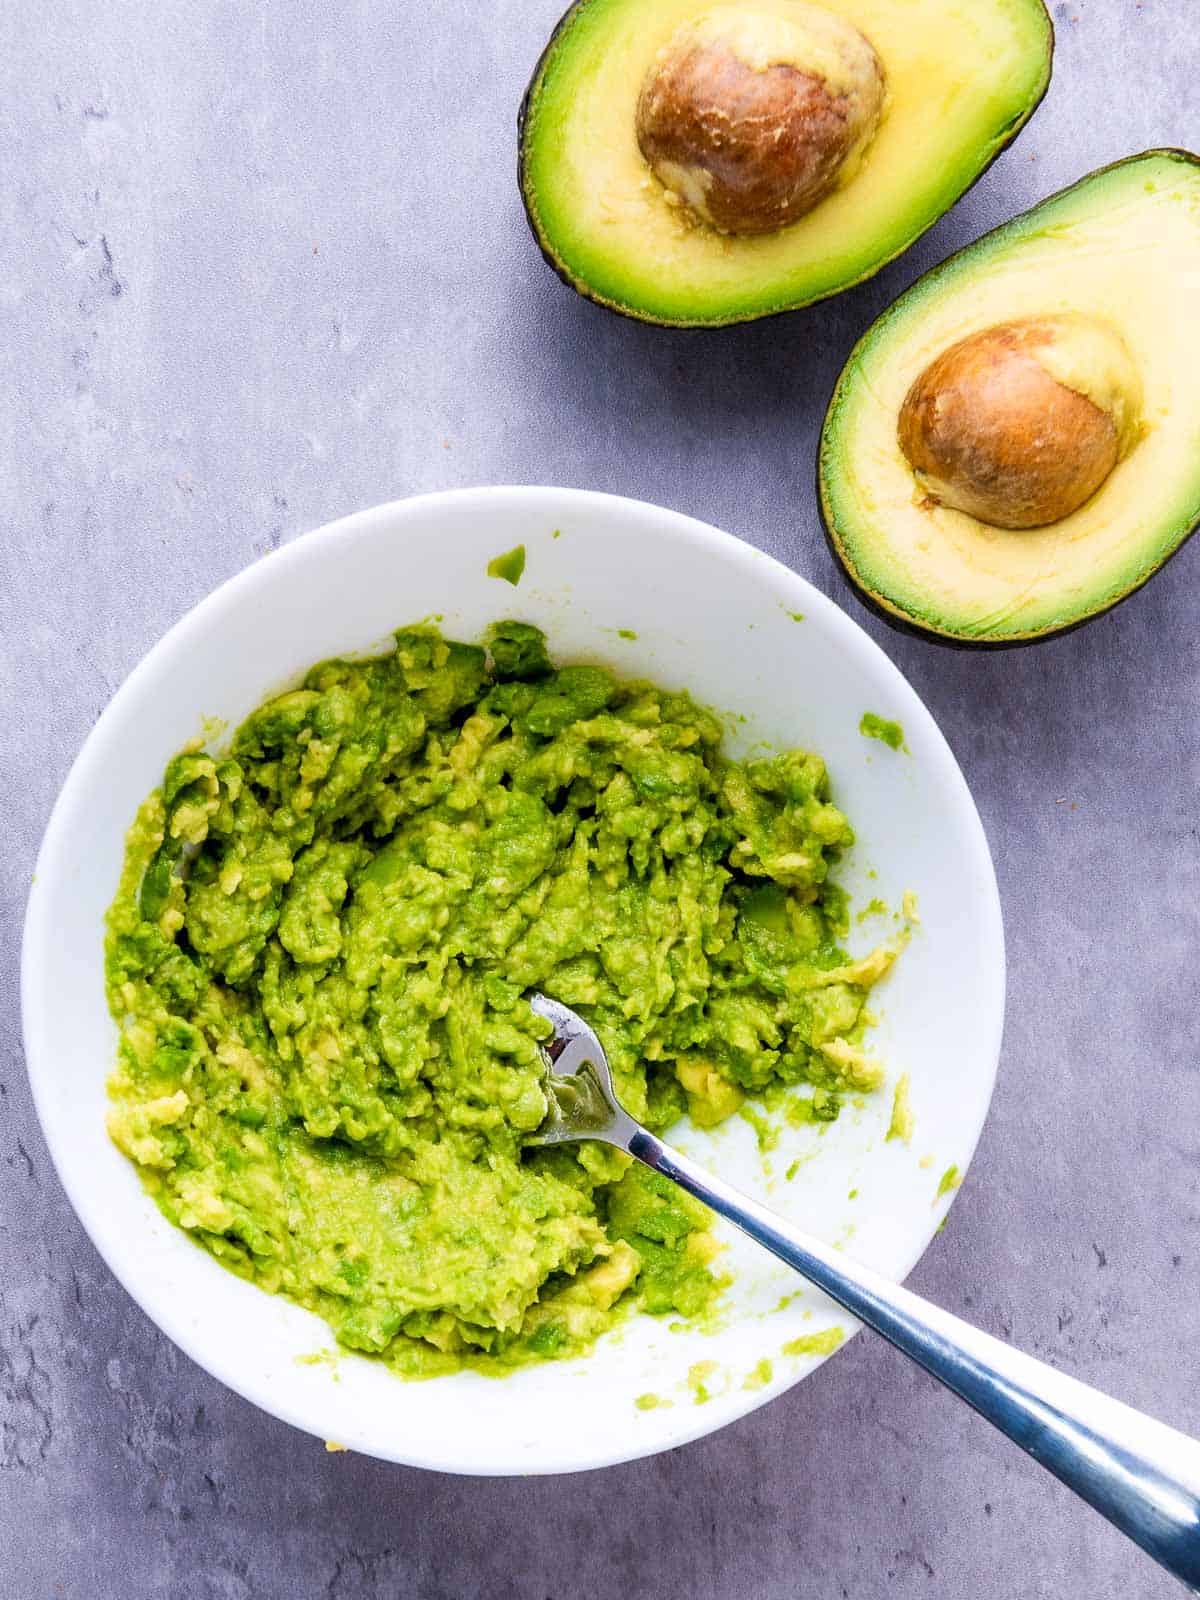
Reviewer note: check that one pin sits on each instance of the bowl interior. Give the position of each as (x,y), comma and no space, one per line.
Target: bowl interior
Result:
(650,593)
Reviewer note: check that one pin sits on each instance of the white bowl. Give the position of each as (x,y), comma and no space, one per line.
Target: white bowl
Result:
(712,615)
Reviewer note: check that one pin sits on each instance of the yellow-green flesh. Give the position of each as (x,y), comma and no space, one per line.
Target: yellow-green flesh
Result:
(1123,246)
(963,75)
(319,954)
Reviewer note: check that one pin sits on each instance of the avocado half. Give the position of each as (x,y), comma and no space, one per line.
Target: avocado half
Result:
(1121,246)
(963,77)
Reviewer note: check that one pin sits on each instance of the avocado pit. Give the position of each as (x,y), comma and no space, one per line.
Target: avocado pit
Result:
(1019,425)
(750,119)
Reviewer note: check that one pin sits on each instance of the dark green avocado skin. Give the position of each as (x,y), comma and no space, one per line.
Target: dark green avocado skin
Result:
(906,625)
(950,641)
(522,115)
(547,254)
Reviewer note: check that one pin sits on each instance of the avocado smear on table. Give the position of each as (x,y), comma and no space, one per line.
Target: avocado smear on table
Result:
(318,958)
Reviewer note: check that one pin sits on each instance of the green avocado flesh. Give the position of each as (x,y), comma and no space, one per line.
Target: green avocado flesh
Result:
(873,726)
(318,957)
(1121,249)
(510,566)
(962,77)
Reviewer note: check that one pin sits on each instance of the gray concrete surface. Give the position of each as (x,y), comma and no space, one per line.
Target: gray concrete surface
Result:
(264,264)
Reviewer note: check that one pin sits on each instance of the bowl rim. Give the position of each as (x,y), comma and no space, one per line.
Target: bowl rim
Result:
(690,533)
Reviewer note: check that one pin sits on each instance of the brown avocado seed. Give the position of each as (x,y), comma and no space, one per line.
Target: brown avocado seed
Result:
(1018,425)
(750,118)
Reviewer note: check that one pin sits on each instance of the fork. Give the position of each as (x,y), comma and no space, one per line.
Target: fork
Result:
(1140,1474)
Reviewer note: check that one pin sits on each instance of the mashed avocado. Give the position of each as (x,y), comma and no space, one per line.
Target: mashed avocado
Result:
(873,726)
(317,959)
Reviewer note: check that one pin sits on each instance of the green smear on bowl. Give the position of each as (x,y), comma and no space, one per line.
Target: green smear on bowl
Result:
(948,1182)
(699,1374)
(510,566)
(874,727)
(651,1402)
(815,1344)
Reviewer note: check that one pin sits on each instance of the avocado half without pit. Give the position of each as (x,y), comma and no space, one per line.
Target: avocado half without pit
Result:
(697,166)
(1011,449)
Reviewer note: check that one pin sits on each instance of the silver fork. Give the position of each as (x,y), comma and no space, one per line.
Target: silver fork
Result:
(1140,1474)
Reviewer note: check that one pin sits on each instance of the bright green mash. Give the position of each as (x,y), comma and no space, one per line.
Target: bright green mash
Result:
(317,958)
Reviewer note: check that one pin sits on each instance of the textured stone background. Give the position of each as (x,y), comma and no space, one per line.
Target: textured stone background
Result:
(261,265)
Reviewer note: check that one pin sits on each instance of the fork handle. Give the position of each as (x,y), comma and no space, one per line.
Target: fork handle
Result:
(1140,1474)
